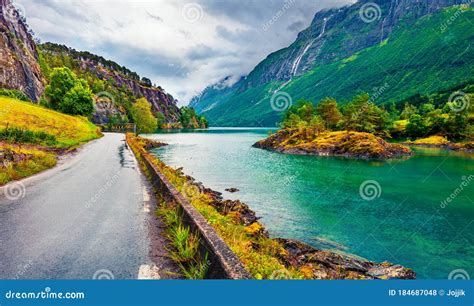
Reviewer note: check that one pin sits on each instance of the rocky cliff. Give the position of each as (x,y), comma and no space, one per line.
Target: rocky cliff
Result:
(160,101)
(19,68)
(121,79)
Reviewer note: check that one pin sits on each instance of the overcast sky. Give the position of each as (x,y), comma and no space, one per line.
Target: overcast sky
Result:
(182,46)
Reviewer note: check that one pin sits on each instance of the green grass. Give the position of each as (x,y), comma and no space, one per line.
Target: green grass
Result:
(184,248)
(68,130)
(31,161)
(19,135)
(28,132)
(432,140)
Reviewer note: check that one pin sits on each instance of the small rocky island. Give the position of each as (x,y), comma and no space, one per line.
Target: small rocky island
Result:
(339,143)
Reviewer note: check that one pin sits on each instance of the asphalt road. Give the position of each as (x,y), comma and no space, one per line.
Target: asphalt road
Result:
(89,217)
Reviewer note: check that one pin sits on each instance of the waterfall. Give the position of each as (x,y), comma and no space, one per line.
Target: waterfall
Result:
(296,63)
(298,59)
(385,18)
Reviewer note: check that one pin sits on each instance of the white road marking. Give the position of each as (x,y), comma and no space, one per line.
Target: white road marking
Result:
(146,195)
(146,208)
(146,200)
(148,272)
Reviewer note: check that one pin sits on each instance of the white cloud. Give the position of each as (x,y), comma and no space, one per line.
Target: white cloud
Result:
(181,50)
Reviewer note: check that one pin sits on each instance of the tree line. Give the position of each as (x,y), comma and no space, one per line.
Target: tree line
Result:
(394,120)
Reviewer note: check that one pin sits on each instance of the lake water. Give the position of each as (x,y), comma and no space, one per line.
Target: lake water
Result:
(399,216)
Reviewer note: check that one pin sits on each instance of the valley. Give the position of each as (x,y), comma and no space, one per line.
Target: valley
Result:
(346,154)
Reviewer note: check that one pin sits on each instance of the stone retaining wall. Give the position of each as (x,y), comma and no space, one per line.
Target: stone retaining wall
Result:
(224,264)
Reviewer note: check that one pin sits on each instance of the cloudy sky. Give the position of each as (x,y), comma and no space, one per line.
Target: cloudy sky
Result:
(182,46)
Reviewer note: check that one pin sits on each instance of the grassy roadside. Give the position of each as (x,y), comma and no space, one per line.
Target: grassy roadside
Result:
(70,131)
(17,162)
(32,136)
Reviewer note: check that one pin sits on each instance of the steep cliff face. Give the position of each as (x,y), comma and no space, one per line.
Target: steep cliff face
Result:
(399,47)
(160,101)
(19,68)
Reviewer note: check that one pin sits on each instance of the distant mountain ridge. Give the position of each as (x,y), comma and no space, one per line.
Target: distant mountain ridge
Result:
(305,68)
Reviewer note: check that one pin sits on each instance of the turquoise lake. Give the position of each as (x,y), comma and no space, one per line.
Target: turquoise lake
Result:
(401,215)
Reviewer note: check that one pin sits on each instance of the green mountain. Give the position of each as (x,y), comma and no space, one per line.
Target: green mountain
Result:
(392,50)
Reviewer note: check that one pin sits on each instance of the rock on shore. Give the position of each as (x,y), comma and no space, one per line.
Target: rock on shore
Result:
(323,264)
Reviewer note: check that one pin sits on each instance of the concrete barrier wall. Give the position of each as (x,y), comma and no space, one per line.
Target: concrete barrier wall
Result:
(224,264)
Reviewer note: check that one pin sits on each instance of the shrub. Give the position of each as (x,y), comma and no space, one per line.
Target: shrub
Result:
(78,100)
(13,93)
(18,135)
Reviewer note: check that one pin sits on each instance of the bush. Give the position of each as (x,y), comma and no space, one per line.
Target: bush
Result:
(160,120)
(13,93)
(17,135)
(78,101)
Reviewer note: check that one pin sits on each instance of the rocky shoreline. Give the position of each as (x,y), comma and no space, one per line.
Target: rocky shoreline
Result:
(451,146)
(313,263)
(342,143)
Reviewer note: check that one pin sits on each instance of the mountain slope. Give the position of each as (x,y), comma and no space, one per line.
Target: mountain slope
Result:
(115,86)
(68,130)
(408,50)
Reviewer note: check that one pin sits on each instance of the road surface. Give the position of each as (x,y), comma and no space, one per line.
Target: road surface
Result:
(89,217)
